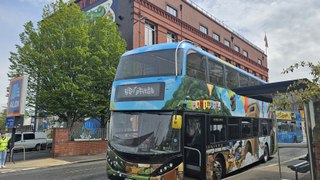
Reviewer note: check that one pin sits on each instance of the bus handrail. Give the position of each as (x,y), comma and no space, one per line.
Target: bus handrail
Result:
(194,149)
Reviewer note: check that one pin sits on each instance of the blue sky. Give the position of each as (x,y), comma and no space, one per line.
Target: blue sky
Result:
(13,15)
(291,27)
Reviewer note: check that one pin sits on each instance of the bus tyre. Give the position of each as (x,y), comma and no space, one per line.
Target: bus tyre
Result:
(218,168)
(266,154)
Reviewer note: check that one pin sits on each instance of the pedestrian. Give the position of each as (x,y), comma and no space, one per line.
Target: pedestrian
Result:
(3,148)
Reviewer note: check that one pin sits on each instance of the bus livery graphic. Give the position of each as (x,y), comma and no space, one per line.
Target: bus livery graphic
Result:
(166,125)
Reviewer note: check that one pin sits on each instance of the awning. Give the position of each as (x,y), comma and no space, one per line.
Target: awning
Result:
(266,92)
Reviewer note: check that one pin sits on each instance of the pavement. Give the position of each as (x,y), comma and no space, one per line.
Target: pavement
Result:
(267,172)
(44,162)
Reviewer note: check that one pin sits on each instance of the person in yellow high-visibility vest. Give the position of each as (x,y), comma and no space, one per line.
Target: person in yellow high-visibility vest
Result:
(4,140)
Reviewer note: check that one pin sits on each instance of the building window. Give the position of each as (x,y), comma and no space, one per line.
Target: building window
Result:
(245,53)
(171,11)
(149,33)
(171,37)
(236,48)
(203,29)
(216,36)
(227,43)
(260,61)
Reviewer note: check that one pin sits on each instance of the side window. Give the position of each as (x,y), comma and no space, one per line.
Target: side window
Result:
(217,130)
(233,128)
(216,73)
(28,136)
(246,127)
(196,65)
(264,128)
(17,137)
(244,80)
(270,125)
(231,78)
(255,127)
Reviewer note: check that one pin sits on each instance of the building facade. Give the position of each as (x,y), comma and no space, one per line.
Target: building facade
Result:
(146,22)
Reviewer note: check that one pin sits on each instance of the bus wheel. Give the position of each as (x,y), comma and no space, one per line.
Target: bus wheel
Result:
(265,154)
(218,168)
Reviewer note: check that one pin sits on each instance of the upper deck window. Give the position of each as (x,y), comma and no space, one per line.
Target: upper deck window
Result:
(196,65)
(148,64)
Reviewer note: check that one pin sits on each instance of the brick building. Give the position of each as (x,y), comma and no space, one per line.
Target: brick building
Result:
(146,22)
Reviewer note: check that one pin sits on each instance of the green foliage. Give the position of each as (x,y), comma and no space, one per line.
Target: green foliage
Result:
(3,117)
(310,91)
(71,62)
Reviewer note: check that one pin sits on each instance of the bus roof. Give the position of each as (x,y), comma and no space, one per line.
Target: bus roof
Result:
(187,45)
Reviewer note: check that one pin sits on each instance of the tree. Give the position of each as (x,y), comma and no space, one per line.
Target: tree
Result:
(70,61)
(3,116)
(310,91)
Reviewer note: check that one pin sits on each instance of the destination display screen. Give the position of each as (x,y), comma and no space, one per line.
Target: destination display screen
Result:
(140,92)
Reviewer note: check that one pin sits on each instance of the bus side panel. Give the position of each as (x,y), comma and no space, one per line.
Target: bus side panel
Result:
(195,95)
(235,154)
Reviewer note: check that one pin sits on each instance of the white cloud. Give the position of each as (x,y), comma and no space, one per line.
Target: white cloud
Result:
(40,3)
(291,27)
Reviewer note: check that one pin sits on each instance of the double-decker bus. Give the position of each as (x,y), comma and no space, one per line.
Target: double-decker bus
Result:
(289,127)
(174,115)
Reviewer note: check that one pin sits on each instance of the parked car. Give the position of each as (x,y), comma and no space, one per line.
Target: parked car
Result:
(31,140)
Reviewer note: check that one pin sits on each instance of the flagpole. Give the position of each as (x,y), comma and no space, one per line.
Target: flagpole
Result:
(266,42)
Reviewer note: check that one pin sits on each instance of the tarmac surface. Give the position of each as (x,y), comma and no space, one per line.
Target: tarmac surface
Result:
(268,172)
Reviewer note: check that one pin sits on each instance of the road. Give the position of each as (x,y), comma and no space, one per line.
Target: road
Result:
(96,170)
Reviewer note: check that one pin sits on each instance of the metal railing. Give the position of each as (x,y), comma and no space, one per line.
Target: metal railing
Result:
(88,134)
(17,147)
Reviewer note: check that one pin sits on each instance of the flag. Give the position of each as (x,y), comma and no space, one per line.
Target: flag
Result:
(265,40)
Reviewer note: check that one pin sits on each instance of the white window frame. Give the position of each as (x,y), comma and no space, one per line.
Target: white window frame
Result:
(245,53)
(227,43)
(171,37)
(236,48)
(149,33)
(171,10)
(260,61)
(216,36)
(203,29)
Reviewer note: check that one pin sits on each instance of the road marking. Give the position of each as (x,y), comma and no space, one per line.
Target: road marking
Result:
(7,171)
(276,164)
(31,168)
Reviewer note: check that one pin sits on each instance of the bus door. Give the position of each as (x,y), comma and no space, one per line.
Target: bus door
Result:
(194,146)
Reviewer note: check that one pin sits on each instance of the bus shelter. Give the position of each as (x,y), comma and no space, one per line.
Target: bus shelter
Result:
(267,92)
